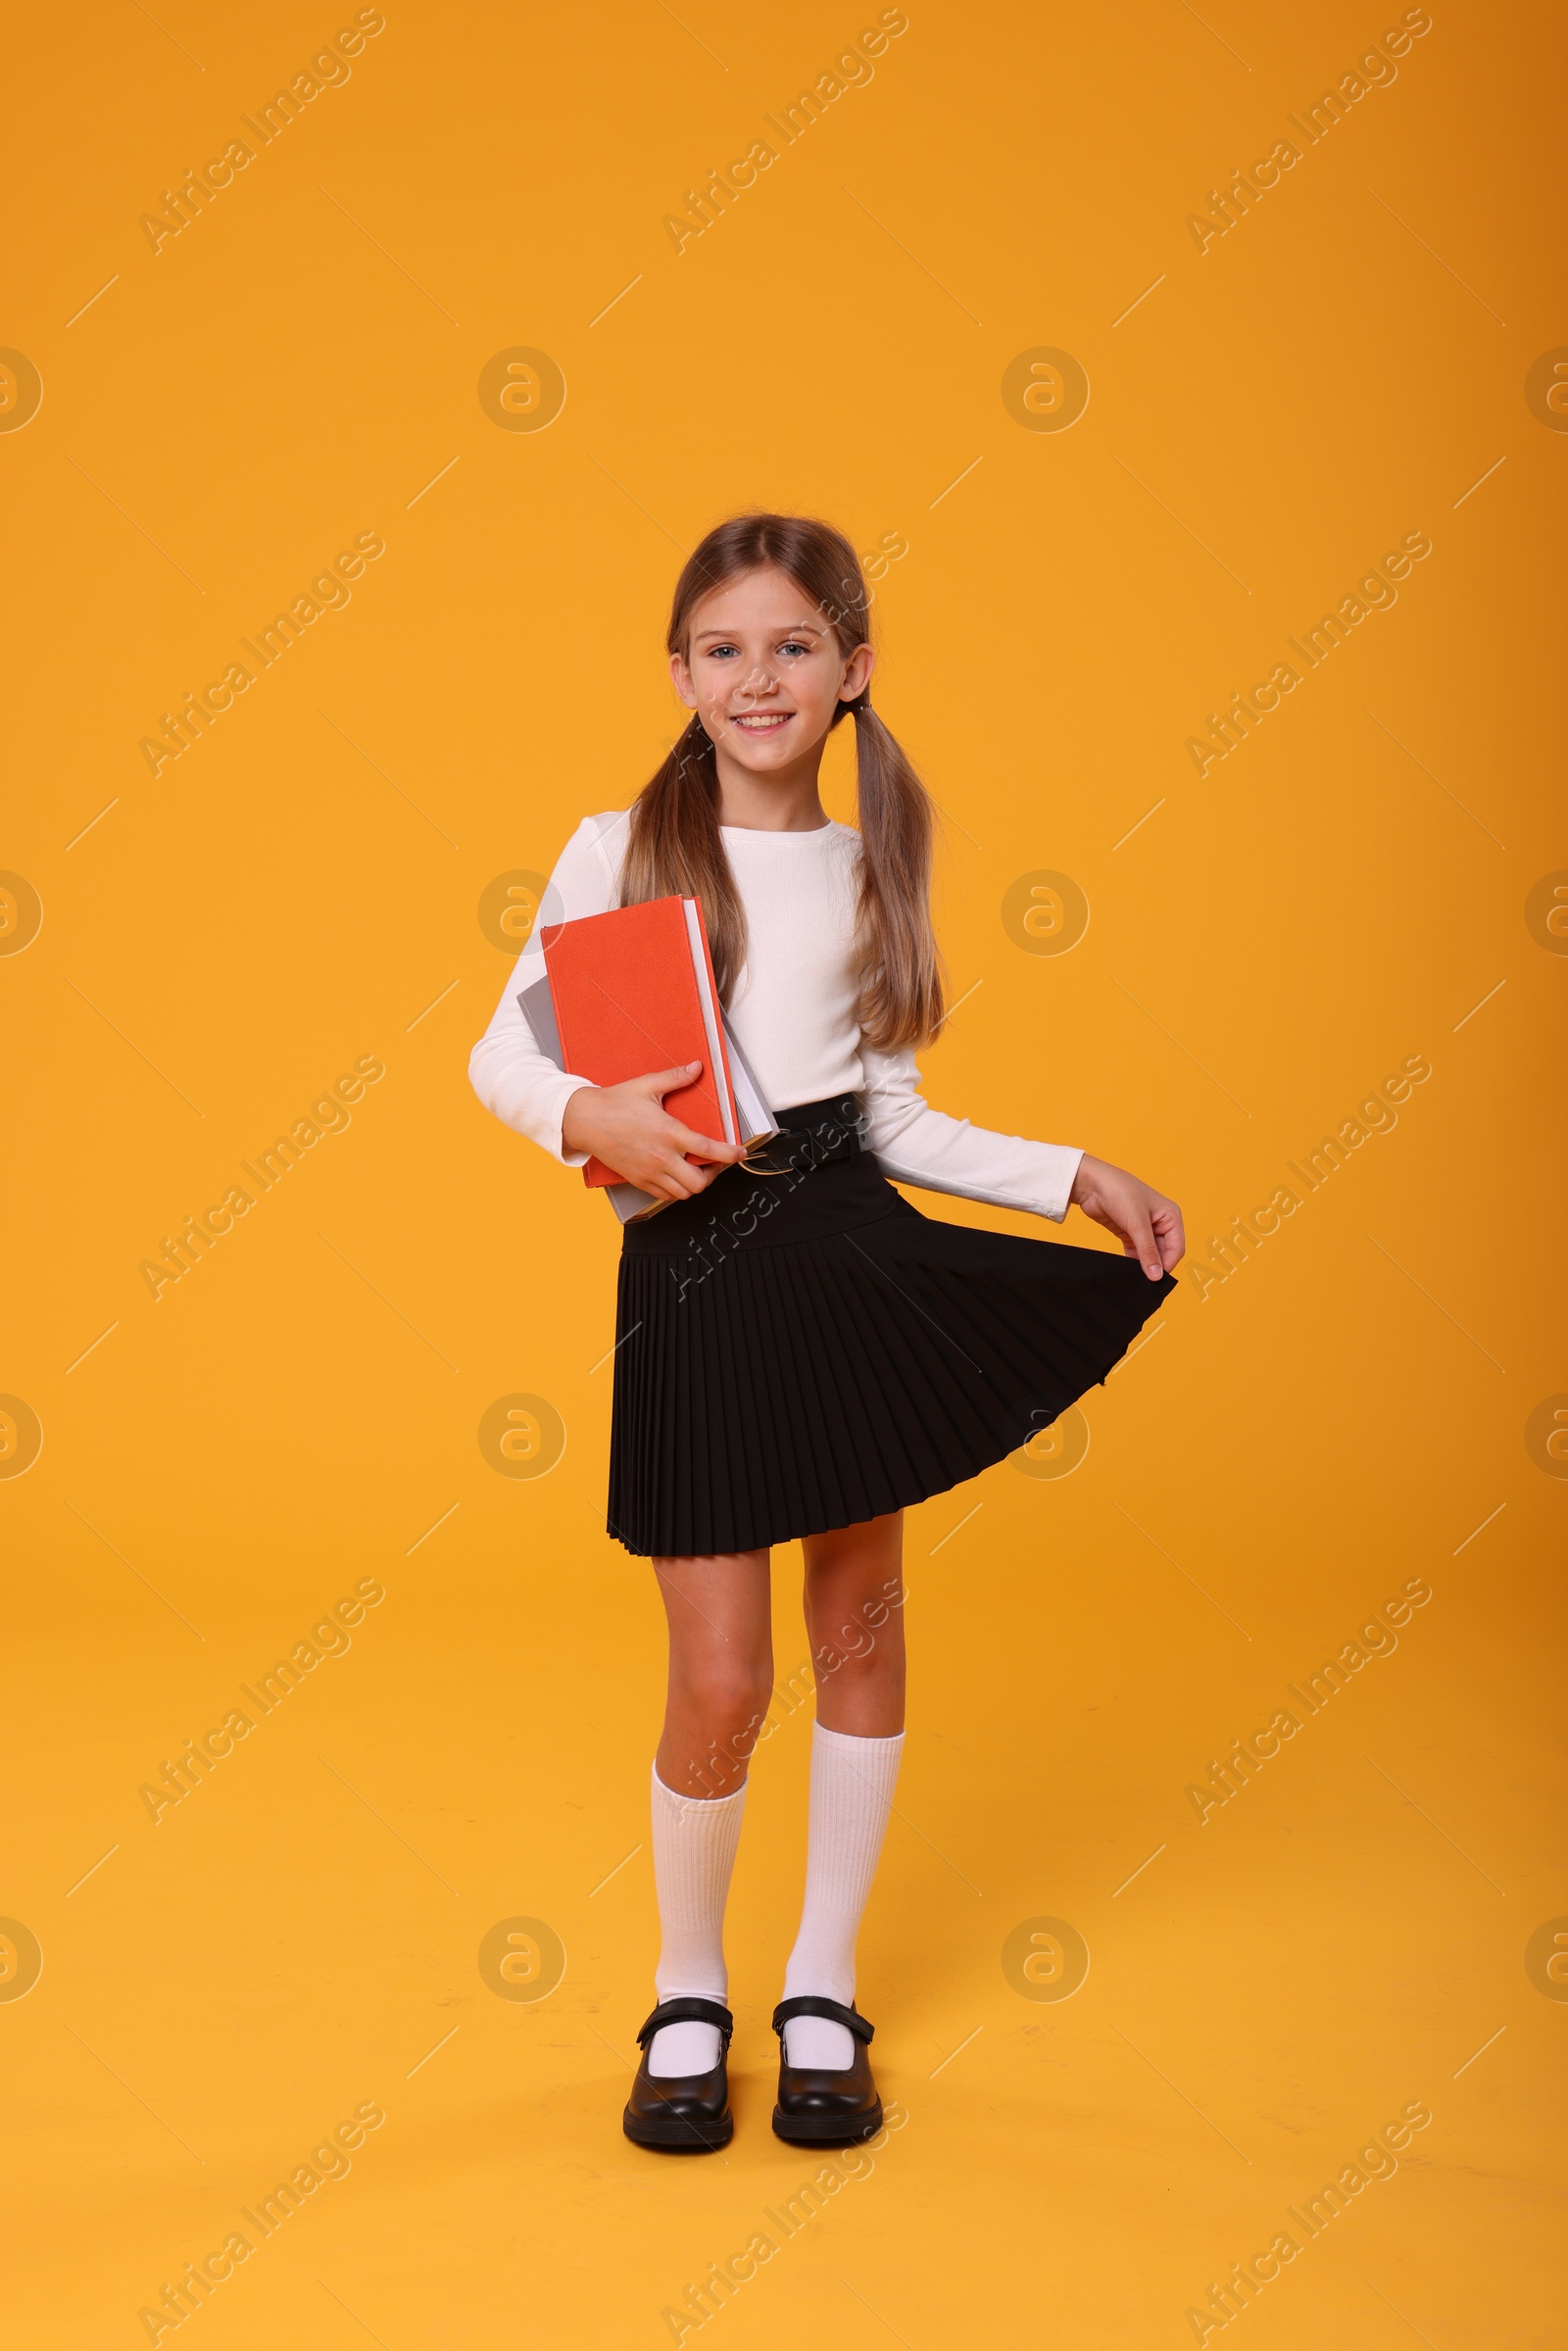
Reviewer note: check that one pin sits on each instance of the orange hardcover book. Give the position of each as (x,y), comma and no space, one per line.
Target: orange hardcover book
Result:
(634,992)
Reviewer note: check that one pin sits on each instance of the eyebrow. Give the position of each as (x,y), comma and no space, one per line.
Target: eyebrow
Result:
(796,628)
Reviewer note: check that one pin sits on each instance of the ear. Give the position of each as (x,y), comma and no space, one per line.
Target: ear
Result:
(857,673)
(681,677)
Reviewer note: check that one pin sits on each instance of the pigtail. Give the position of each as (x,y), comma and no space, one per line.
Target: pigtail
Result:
(902,1001)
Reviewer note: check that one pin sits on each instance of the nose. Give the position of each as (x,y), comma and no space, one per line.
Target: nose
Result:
(758,681)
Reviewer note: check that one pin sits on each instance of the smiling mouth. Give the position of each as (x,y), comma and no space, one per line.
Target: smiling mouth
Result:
(763,722)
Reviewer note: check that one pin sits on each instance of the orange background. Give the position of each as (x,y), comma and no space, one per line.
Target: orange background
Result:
(300,1414)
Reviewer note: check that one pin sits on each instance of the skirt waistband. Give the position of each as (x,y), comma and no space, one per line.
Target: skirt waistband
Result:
(813,1179)
(812,1135)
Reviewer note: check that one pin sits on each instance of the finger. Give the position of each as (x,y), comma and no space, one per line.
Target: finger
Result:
(660,1082)
(678,1170)
(1171,1235)
(669,1188)
(1141,1244)
(667,1175)
(706,1146)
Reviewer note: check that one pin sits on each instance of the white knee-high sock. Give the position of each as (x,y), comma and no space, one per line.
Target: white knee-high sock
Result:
(694,1852)
(851,1792)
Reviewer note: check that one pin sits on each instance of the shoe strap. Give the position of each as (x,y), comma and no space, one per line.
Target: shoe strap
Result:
(809,2004)
(688,2011)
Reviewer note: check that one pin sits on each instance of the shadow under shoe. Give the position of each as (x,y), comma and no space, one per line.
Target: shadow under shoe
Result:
(820,2109)
(684,2114)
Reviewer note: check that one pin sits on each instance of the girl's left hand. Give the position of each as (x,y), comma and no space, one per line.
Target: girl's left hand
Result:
(1148,1225)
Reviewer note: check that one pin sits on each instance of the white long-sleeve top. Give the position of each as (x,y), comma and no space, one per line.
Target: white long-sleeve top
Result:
(793,1012)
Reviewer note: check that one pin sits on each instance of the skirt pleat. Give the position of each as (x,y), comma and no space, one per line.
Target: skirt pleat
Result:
(800,1354)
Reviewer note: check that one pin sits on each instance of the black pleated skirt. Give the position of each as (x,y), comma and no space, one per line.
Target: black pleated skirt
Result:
(803,1351)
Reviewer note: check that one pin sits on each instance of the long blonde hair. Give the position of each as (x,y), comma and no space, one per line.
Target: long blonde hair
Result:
(676,848)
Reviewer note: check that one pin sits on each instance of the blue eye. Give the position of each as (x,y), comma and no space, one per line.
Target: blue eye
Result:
(721,653)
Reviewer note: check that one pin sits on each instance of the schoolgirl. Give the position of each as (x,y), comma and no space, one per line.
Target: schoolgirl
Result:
(800,1351)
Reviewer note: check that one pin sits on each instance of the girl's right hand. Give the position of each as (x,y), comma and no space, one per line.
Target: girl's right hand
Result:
(628,1128)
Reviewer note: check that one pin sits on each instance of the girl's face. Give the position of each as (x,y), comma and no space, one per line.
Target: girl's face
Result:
(765,673)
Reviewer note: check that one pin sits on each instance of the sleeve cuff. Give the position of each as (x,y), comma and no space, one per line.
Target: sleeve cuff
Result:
(1072,1156)
(557,1119)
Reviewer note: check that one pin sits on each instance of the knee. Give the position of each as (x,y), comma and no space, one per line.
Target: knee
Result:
(729,1695)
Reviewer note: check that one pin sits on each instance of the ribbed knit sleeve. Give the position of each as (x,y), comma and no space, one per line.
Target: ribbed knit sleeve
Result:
(915,1144)
(507,1070)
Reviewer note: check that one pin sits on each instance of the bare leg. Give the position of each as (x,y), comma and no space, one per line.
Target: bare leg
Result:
(854,1619)
(720,1669)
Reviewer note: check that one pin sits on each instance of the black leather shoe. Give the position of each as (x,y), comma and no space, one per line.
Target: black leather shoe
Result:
(685,2112)
(816,2108)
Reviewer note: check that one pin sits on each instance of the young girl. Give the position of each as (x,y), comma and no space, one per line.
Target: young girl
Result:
(800,1352)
